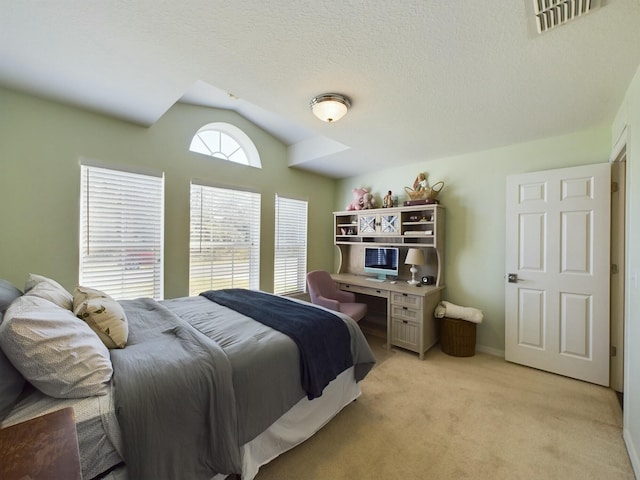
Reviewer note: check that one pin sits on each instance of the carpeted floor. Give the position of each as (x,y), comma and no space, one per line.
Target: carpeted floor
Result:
(464,418)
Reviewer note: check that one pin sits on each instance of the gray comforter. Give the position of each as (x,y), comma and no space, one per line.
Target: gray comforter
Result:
(197,380)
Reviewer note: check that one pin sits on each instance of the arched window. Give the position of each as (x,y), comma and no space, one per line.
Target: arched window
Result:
(227,142)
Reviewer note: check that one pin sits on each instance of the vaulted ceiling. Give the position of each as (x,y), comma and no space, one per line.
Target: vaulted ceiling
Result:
(427,78)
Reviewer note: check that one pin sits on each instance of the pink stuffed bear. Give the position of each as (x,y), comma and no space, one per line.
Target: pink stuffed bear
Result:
(362,200)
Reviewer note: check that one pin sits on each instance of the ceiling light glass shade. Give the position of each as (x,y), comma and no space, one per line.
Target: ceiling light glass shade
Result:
(330,107)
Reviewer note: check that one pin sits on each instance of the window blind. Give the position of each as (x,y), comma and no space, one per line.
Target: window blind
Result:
(290,262)
(224,248)
(121,232)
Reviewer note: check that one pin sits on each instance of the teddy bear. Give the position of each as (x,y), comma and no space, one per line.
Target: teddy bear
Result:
(362,200)
(368,201)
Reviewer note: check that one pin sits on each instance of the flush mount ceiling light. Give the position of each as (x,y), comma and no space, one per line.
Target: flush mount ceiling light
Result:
(330,107)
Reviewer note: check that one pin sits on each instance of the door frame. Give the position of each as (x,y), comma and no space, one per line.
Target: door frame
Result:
(619,258)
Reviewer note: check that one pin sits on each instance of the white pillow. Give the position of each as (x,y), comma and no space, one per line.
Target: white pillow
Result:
(54,350)
(53,293)
(48,289)
(103,314)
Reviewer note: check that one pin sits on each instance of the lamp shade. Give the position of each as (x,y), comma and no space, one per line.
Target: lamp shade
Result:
(330,107)
(415,256)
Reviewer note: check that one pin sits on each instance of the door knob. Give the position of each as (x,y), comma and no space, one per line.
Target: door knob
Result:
(512,278)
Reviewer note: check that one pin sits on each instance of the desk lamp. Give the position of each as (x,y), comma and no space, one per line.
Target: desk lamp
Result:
(415,256)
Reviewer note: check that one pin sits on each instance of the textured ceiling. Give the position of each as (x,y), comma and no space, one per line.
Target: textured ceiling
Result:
(427,79)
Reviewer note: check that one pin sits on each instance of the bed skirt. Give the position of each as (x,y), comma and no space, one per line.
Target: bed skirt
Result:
(294,427)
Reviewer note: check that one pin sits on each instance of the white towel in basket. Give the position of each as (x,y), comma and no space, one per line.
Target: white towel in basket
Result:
(447,309)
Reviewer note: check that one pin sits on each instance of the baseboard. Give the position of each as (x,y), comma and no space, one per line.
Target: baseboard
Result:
(632,452)
(491,351)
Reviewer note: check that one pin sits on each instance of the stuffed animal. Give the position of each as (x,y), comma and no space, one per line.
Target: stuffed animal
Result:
(368,201)
(362,199)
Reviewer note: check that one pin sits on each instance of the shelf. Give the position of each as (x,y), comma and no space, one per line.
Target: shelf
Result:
(414,226)
(419,233)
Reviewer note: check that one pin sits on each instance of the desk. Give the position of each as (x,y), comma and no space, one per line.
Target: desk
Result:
(43,448)
(409,310)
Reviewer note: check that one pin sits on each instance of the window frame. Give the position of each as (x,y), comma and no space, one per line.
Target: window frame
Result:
(291,244)
(111,220)
(200,145)
(233,213)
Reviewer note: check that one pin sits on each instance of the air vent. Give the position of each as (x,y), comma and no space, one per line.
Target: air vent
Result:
(553,13)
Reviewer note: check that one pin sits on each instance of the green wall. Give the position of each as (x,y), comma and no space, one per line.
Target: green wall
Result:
(42,143)
(474,198)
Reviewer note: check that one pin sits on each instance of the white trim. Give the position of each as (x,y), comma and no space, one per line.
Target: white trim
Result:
(618,152)
(228,186)
(632,451)
(292,197)
(89,162)
(490,350)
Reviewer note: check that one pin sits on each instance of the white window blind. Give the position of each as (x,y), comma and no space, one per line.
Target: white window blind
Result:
(290,263)
(224,248)
(121,225)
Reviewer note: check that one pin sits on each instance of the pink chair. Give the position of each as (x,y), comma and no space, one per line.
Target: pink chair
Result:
(324,291)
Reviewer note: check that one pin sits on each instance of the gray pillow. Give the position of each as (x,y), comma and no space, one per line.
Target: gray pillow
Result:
(11,385)
(11,381)
(8,293)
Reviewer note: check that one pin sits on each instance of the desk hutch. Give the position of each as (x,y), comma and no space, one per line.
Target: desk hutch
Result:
(400,312)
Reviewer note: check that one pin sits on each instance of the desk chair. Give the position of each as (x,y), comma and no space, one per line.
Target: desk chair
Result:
(324,291)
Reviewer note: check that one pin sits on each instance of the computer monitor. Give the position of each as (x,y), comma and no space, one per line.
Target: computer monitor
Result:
(381,261)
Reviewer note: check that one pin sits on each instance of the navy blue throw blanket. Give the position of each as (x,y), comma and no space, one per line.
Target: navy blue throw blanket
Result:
(322,337)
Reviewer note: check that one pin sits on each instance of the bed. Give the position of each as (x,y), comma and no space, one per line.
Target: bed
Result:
(192,387)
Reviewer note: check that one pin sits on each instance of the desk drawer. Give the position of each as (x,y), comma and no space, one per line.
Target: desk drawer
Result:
(406,313)
(375,292)
(406,300)
(405,334)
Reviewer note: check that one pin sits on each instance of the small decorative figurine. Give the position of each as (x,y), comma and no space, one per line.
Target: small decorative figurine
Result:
(387,202)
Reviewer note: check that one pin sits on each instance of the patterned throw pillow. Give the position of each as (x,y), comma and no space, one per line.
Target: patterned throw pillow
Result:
(103,314)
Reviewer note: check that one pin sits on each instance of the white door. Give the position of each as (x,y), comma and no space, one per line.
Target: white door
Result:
(557,260)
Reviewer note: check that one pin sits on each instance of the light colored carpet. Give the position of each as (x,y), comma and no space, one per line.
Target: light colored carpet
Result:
(464,418)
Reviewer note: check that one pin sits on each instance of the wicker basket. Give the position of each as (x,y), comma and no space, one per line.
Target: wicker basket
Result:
(435,190)
(457,337)
(429,193)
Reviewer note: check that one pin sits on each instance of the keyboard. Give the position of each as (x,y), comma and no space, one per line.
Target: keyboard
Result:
(372,279)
